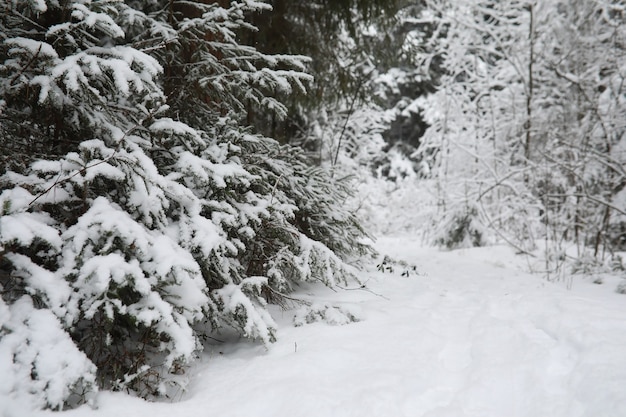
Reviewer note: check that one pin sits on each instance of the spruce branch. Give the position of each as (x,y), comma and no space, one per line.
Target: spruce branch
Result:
(82,171)
(282,296)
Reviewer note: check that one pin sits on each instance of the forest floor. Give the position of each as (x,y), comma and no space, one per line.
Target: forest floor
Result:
(468,333)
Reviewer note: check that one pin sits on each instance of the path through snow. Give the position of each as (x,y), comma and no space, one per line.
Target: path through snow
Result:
(471,336)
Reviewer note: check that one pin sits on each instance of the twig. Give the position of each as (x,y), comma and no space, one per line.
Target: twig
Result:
(274,188)
(499,233)
(28,64)
(364,288)
(64,180)
(350,111)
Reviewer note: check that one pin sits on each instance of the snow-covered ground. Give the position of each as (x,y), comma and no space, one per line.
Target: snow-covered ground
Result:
(470,335)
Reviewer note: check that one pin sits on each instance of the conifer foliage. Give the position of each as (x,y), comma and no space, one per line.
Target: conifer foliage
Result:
(137,210)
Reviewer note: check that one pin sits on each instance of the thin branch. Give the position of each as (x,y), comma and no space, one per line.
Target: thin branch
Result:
(589,197)
(274,188)
(364,288)
(28,64)
(350,112)
(286,297)
(499,233)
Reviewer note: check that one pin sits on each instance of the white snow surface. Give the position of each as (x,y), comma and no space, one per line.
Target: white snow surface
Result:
(470,335)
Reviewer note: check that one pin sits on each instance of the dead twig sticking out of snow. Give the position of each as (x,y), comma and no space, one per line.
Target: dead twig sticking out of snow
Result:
(364,288)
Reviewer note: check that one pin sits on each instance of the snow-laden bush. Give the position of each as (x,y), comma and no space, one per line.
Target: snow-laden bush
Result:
(459,229)
(322,312)
(137,211)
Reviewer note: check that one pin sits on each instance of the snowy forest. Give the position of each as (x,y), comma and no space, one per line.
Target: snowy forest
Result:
(170,170)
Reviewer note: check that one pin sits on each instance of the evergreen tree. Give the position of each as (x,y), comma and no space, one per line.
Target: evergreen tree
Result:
(335,35)
(137,211)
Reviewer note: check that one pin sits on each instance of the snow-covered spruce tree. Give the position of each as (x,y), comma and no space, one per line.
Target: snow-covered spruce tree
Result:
(331,33)
(136,206)
(287,213)
(403,82)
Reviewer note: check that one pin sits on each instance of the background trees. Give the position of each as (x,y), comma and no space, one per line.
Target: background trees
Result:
(523,123)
